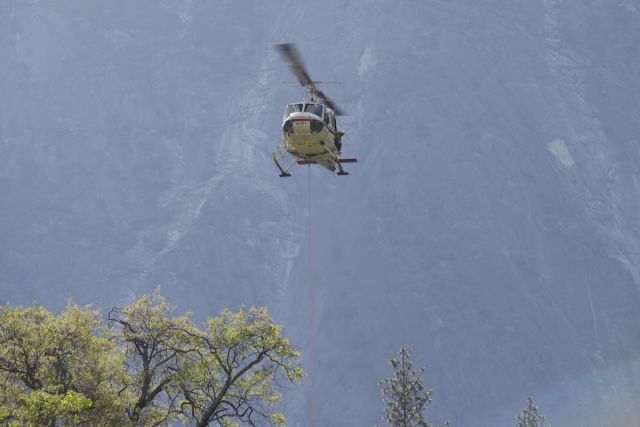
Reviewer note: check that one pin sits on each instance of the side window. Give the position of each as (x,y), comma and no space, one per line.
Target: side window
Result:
(329,118)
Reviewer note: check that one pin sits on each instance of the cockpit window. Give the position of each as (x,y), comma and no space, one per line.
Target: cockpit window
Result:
(314,109)
(292,108)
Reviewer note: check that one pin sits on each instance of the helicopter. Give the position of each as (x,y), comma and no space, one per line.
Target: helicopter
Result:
(309,131)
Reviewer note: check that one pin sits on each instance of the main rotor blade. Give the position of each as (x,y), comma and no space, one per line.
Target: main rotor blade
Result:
(291,55)
(328,102)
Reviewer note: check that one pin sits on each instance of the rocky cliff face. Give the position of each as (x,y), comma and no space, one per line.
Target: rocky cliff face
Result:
(492,222)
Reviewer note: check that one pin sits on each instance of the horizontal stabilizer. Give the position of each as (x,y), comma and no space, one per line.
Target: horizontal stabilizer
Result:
(313,162)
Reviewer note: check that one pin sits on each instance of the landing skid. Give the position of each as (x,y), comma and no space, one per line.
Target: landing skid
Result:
(330,164)
(338,162)
(283,172)
(341,171)
(341,161)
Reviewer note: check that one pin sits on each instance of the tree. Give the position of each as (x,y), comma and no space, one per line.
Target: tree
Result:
(529,416)
(232,375)
(153,343)
(403,394)
(57,370)
(147,368)
(42,407)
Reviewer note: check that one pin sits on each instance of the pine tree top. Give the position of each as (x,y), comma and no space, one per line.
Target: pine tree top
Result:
(403,394)
(530,416)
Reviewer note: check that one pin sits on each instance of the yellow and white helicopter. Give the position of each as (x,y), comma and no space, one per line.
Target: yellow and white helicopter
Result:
(309,131)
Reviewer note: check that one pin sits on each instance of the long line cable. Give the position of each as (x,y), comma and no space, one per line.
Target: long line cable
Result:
(311,302)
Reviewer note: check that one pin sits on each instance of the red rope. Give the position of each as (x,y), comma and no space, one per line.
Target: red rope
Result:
(311,302)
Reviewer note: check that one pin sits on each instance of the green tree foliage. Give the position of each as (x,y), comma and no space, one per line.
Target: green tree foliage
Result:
(403,394)
(231,378)
(153,343)
(142,367)
(57,370)
(41,407)
(529,416)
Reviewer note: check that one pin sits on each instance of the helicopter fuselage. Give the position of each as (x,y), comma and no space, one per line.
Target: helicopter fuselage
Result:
(309,136)
(309,131)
